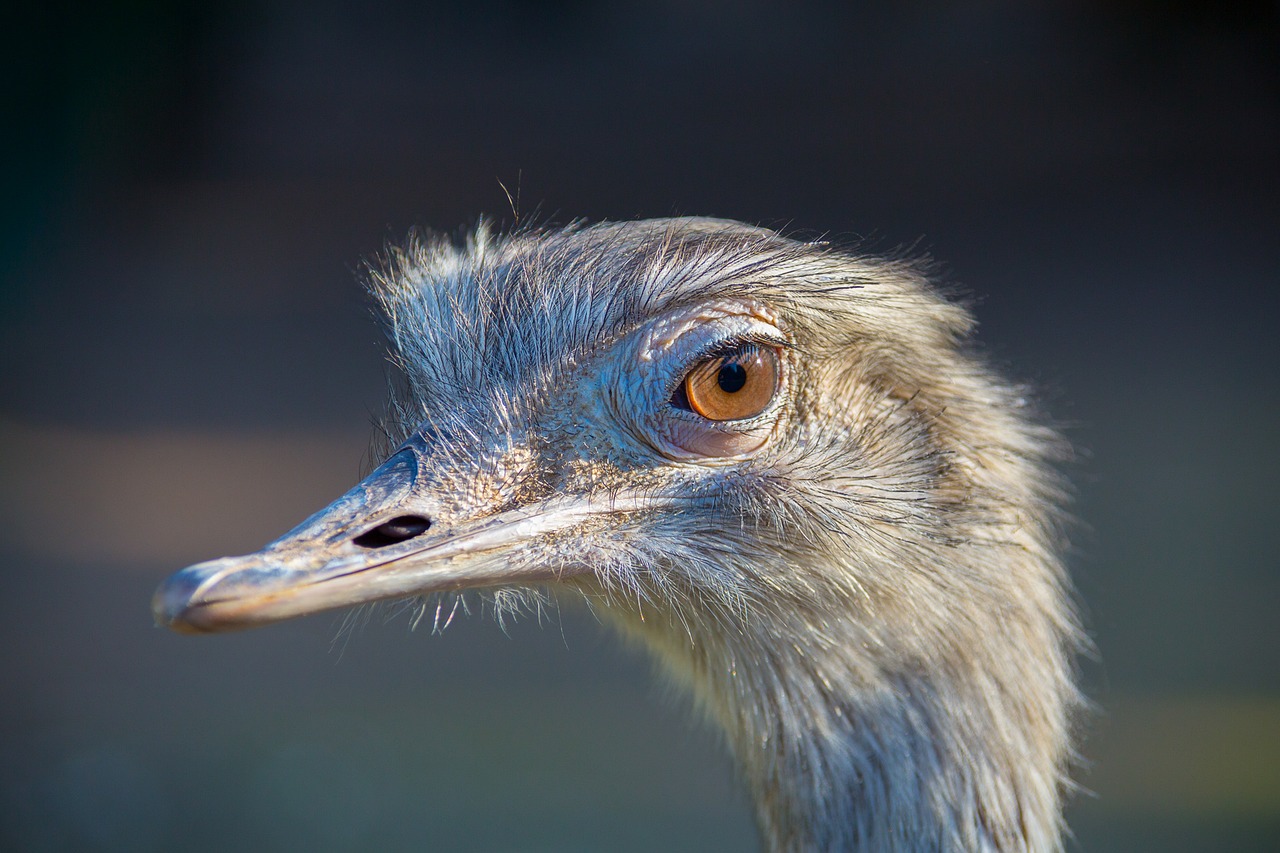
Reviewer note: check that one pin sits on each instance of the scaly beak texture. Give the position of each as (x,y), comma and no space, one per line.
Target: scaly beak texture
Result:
(321,565)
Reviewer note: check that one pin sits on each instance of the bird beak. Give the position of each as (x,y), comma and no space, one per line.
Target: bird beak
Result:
(339,557)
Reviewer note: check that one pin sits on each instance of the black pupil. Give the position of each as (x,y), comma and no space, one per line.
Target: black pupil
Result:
(732,377)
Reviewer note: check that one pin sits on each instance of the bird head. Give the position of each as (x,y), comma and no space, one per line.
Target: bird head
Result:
(694,415)
(777,463)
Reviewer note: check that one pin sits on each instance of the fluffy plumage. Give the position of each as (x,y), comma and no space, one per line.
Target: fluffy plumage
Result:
(863,591)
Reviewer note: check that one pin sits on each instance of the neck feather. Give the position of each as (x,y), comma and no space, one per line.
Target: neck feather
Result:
(960,747)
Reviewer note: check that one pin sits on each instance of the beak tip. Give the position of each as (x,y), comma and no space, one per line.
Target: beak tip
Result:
(172,602)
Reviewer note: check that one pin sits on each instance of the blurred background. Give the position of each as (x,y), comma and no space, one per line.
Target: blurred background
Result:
(188,368)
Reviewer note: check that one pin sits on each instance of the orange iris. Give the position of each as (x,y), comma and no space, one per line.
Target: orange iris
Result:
(734,386)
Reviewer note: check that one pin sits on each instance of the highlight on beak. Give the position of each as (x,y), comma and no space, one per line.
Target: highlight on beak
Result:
(373,543)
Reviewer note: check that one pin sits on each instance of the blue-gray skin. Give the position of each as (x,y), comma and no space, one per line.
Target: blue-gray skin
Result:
(859,582)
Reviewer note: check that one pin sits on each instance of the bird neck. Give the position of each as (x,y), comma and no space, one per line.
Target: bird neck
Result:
(843,752)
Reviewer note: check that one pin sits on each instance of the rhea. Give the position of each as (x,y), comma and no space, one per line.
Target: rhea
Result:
(782,466)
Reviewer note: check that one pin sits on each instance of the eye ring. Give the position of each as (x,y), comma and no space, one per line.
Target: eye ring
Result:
(735,384)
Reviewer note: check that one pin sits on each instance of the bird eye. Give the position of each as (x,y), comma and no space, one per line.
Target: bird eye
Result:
(732,386)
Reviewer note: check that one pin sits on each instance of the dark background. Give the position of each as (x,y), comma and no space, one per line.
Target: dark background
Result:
(187,368)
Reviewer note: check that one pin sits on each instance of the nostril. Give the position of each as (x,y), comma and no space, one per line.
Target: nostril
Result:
(396,530)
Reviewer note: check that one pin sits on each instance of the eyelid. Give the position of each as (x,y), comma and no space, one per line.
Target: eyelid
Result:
(672,346)
(746,339)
